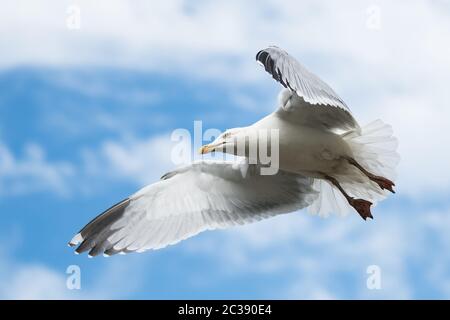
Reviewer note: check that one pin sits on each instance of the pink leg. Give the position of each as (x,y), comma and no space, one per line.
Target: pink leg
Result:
(360,205)
(384,183)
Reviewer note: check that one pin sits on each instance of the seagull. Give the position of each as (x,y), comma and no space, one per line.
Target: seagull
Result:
(327,162)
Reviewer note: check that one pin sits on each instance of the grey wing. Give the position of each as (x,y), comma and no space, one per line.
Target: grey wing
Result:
(311,97)
(201,196)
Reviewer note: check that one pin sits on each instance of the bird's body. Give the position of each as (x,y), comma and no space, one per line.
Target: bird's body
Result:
(306,150)
(326,162)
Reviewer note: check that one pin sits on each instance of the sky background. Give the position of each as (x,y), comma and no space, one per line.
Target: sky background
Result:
(90,92)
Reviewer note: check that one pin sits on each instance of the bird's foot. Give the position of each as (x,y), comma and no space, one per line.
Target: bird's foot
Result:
(362,206)
(383,183)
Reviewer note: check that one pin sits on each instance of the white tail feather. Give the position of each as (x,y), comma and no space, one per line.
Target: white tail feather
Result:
(374,148)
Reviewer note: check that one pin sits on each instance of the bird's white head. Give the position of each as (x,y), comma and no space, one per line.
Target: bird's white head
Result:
(226,142)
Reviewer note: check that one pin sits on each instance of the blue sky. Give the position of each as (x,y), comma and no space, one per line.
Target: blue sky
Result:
(86,116)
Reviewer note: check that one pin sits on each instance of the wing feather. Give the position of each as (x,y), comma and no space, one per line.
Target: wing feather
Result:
(202,196)
(312,99)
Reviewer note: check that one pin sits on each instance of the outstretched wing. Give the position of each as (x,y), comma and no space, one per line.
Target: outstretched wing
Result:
(201,196)
(312,99)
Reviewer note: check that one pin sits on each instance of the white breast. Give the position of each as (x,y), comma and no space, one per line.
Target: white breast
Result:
(304,149)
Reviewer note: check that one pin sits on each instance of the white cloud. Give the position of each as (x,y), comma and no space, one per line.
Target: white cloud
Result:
(32,172)
(420,123)
(38,281)
(139,160)
(96,87)
(397,72)
(178,34)
(328,258)
(35,280)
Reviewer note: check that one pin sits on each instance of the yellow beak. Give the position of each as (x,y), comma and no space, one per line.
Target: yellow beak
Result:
(205,149)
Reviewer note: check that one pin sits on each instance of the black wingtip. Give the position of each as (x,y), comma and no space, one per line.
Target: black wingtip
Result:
(264,58)
(261,56)
(258,56)
(93,237)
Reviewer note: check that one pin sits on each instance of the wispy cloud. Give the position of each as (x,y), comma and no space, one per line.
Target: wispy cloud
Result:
(398,70)
(38,280)
(140,34)
(34,282)
(312,252)
(32,172)
(139,160)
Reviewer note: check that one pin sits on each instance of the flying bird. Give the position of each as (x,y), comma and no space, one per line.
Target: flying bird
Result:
(327,162)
